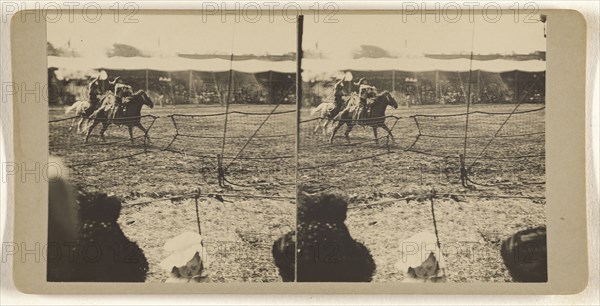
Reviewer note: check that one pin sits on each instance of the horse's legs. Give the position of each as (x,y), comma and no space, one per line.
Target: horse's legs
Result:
(79,130)
(327,121)
(89,131)
(349,127)
(387,129)
(141,127)
(130,128)
(317,126)
(103,129)
(72,124)
(375,134)
(335,129)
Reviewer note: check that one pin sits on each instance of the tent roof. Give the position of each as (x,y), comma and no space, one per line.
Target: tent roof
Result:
(168,64)
(309,65)
(421,64)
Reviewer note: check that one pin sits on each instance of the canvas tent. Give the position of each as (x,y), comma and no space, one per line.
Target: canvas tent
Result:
(183,80)
(431,81)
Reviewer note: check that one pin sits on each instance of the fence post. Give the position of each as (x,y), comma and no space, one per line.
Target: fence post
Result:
(463,171)
(196,197)
(220,174)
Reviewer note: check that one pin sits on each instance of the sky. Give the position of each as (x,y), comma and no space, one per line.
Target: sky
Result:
(192,33)
(412,36)
(181,33)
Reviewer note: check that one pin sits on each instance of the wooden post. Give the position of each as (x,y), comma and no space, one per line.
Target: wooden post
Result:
(437,86)
(270,86)
(299,55)
(516,86)
(146,80)
(218,88)
(479,89)
(171,88)
(190,85)
(418,93)
(393,81)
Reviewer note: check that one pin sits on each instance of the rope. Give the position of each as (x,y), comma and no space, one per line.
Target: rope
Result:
(210,195)
(501,136)
(237,137)
(478,112)
(231,113)
(441,196)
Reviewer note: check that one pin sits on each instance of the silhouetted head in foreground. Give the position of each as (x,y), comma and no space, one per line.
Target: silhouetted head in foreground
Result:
(85,242)
(525,255)
(326,250)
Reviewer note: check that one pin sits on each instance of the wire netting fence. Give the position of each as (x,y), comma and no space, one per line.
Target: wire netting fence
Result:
(255,148)
(498,148)
(503,149)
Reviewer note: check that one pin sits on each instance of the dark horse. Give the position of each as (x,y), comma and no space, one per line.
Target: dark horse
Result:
(109,113)
(375,118)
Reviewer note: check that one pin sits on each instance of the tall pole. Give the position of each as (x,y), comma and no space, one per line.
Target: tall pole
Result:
(437,87)
(227,104)
(146,80)
(299,54)
(190,85)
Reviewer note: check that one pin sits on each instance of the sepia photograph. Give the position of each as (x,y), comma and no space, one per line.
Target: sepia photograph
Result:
(179,133)
(421,151)
(245,151)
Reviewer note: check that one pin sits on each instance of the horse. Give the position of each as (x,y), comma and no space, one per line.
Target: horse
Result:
(83,109)
(109,112)
(375,118)
(326,111)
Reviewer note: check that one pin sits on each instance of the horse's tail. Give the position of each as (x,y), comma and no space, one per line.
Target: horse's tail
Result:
(68,109)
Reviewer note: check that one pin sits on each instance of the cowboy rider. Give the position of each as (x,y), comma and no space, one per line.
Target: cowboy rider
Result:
(366,93)
(338,94)
(121,91)
(93,92)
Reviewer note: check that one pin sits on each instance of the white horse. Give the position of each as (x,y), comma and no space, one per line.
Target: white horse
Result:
(82,111)
(326,111)
(323,111)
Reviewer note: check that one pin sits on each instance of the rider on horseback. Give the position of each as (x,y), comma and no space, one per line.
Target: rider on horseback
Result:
(337,94)
(366,93)
(121,91)
(94,90)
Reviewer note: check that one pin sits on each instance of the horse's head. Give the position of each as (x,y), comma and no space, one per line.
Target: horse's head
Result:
(386,97)
(143,98)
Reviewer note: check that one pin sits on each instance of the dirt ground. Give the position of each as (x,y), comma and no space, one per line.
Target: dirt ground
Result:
(472,222)
(238,233)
